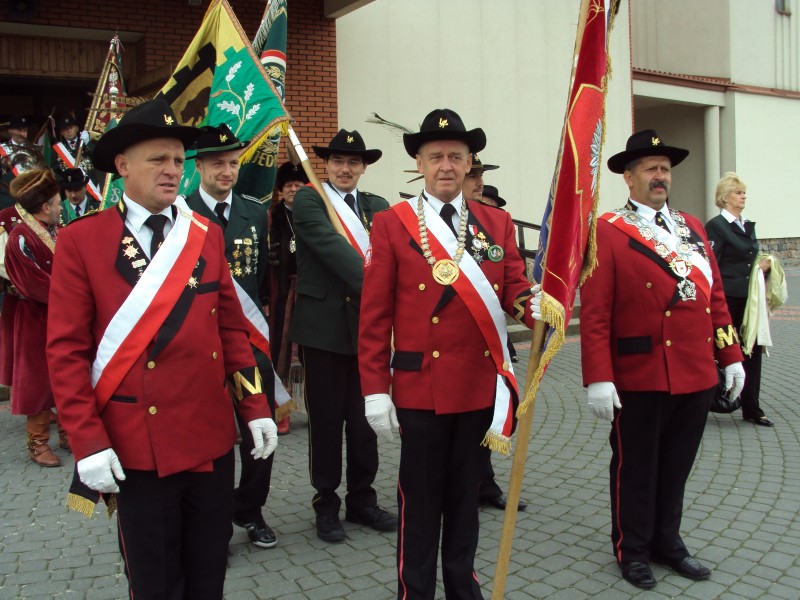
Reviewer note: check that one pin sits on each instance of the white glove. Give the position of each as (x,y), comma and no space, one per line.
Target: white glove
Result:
(85,137)
(381,415)
(99,470)
(603,398)
(536,302)
(734,379)
(265,437)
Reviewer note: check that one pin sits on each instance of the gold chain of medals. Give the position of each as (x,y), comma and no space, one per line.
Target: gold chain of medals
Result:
(445,271)
(681,265)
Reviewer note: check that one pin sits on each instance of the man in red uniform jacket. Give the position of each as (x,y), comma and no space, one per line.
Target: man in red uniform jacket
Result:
(440,275)
(144,333)
(653,320)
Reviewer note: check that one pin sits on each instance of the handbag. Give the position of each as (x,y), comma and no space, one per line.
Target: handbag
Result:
(721,402)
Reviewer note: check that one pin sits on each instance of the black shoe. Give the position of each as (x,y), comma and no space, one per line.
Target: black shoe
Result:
(763,421)
(688,567)
(259,533)
(638,574)
(374,517)
(329,528)
(499,502)
(514,358)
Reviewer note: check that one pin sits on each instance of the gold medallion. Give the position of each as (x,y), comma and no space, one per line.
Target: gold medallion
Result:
(445,271)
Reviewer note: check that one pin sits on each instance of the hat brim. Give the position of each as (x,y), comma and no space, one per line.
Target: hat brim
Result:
(369,156)
(617,163)
(484,168)
(500,202)
(209,151)
(75,185)
(474,138)
(123,137)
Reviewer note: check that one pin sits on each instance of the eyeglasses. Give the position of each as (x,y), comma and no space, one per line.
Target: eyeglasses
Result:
(351,162)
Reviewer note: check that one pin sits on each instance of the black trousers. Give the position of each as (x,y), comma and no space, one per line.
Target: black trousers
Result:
(256,474)
(751,364)
(174,532)
(335,404)
(441,466)
(489,490)
(654,441)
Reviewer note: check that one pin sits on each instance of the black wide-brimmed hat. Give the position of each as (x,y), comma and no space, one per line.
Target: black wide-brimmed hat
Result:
(645,143)
(213,140)
(150,120)
(290,172)
(73,179)
(18,122)
(348,142)
(444,124)
(491,191)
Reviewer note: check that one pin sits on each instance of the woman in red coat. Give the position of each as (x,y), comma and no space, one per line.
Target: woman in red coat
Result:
(28,261)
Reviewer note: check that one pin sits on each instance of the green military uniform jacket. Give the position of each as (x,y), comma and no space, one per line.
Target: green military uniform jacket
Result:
(246,247)
(68,212)
(329,275)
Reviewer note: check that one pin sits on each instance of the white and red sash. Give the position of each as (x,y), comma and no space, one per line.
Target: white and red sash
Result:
(65,155)
(353,227)
(258,333)
(479,296)
(701,275)
(144,311)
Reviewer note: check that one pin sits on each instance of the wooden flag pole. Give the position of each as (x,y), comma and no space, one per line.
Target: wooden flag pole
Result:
(525,421)
(523,434)
(312,177)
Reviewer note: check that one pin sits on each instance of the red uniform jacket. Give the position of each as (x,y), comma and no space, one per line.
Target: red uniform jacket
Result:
(29,260)
(172,411)
(9,218)
(441,361)
(636,331)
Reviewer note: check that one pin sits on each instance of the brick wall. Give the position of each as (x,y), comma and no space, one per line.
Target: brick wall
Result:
(169,25)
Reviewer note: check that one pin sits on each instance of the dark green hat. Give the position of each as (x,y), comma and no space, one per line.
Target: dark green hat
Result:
(213,140)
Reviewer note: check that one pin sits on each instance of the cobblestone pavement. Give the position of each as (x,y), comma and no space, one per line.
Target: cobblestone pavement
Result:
(741,515)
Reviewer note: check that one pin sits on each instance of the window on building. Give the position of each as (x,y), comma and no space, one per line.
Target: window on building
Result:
(783,7)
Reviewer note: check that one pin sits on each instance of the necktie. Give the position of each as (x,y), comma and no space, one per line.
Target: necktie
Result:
(351,202)
(156,223)
(447,212)
(77,210)
(220,210)
(661,222)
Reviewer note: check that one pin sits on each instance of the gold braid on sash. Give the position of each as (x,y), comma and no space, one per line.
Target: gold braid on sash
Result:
(245,383)
(726,336)
(519,307)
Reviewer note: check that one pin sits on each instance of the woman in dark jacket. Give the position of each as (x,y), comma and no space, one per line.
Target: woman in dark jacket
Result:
(735,246)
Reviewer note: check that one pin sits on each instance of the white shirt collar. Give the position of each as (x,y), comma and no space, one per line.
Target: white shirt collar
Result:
(728,216)
(342,193)
(212,202)
(437,204)
(649,213)
(138,214)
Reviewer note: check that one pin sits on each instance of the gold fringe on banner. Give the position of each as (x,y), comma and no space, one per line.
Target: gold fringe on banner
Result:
(247,155)
(285,410)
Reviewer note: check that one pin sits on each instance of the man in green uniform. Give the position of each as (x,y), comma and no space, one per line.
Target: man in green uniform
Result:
(330,271)
(244,221)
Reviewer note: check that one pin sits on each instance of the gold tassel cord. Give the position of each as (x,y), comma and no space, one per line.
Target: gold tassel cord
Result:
(553,314)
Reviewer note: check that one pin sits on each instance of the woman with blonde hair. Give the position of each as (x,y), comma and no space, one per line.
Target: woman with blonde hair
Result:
(733,239)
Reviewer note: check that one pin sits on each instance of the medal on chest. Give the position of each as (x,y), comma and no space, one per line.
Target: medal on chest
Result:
(445,271)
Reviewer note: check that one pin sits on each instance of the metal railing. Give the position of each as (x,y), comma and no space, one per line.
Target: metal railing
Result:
(523,249)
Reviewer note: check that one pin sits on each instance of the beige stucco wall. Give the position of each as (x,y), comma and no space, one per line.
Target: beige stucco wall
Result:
(503,66)
(766,157)
(684,36)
